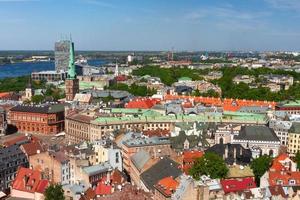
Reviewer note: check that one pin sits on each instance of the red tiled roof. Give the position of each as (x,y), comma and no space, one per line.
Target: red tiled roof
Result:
(121,78)
(157,132)
(29,180)
(5,94)
(227,104)
(43,184)
(19,139)
(284,178)
(189,158)
(167,186)
(32,148)
(277,191)
(103,189)
(116,177)
(277,163)
(142,103)
(234,185)
(88,195)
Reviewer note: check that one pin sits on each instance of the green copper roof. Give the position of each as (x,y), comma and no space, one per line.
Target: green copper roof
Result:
(71,68)
(292,103)
(184,78)
(211,117)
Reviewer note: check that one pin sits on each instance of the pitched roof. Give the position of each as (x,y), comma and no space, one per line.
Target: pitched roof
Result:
(284,178)
(103,188)
(166,186)
(243,156)
(234,185)
(88,195)
(277,164)
(22,139)
(277,190)
(163,168)
(39,108)
(32,148)
(295,127)
(188,158)
(142,103)
(29,180)
(257,133)
(140,158)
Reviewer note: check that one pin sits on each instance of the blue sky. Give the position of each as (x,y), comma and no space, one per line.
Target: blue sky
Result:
(151,24)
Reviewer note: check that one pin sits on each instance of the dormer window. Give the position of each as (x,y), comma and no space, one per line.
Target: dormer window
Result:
(279,182)
(292,182)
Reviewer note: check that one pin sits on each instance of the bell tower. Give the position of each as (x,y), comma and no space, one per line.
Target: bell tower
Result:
(71,83)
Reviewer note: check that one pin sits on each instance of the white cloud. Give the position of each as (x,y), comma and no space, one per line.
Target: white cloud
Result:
(285,4)
(15,1)
(100,3)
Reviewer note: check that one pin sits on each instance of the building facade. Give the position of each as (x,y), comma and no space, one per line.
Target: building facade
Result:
(62,56)
(72,82)
(3,121)
(258,137)
(11,158)
(38,119)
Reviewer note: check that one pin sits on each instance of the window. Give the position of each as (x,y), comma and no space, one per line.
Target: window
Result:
(292,182)
(117,157)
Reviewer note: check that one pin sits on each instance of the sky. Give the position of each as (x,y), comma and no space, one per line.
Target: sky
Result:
(184,25)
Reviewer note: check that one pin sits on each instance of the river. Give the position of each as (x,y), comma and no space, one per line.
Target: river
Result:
(21,69)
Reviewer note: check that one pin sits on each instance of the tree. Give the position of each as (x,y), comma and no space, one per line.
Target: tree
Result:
(259,166)
(297,159)
(54,192)
(210,164)
(37,99)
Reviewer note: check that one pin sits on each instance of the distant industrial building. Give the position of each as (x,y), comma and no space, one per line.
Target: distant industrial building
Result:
(62,55)
(49,76)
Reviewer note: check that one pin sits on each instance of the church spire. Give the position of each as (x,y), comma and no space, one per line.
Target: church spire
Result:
(71,68)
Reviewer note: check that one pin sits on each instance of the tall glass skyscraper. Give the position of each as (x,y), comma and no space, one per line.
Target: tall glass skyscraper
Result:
(62,55)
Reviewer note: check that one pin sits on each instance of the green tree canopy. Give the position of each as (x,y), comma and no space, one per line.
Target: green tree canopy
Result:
(210,164)
(54,192)
(37,99)
(259,166)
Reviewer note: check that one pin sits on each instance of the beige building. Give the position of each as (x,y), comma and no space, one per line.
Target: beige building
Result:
(53,165)
(78,128)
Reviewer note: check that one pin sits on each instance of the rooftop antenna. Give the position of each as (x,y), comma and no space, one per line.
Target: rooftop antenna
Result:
(71,37)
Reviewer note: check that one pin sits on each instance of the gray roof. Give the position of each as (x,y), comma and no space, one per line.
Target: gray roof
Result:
(163,168)
(174,109)
(39,108)
(96,169)
(141,141)
(283,125)
(117,94)
(254,109)
(140,159)
(295,127)
(257,133)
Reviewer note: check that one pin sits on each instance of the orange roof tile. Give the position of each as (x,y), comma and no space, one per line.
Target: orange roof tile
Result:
(167,186)
(284,178)
(227,104)
(142,103)
(29,180)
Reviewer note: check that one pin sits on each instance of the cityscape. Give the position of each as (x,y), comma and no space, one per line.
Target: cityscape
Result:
(166,111)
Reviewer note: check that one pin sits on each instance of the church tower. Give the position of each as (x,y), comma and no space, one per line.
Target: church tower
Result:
(72,83)
(29,90)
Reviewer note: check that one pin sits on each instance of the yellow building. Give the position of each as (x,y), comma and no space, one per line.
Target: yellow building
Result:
(294,138)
